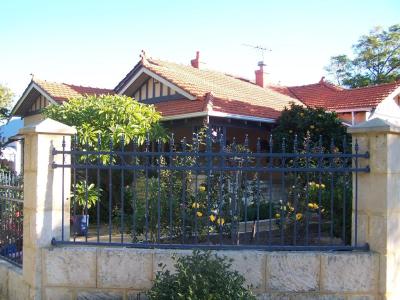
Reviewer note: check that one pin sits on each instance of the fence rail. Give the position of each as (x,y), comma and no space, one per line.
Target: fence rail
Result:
(11,217)
(204,193)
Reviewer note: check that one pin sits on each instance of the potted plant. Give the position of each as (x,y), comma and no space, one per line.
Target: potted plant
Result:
(85,196)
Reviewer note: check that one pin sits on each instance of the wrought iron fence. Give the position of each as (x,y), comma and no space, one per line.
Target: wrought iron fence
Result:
(11,217)
(204,193)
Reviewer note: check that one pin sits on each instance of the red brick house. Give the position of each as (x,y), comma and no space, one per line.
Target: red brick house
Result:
(189,97)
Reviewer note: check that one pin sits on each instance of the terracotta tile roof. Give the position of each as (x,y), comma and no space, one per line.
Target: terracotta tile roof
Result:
(179,107)
(361,97)
(63,91)
(233,95)
(246,109)
(331,97)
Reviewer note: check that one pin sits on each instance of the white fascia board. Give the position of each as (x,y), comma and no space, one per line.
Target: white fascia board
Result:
(217,114)
(240,117)
(185,116)
(44,93)
(352,110)
(393,94)
(160,79)
(33,85)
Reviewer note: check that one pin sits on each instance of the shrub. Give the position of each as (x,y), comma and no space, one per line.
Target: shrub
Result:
(309,124)
(200,276)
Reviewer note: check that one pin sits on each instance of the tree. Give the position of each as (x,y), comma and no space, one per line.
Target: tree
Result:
(6,97)
(376,60)
(110,117)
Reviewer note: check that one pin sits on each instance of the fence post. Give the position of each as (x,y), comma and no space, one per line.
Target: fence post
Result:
(379,199)
(43,195)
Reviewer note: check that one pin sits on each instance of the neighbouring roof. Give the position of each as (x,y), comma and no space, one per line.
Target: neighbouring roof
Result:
(331,97)
(230,94)
(64,91)
(53,91)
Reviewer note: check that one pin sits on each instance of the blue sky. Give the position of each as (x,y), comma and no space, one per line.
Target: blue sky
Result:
(97,42)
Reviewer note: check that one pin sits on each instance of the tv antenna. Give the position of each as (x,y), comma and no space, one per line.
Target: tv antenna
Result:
(260,49)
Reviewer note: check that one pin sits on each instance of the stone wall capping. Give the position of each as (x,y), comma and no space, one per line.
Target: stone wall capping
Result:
(375,125)
(48,126)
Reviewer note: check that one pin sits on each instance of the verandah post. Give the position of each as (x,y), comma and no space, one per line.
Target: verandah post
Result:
(44,193)
(378,210)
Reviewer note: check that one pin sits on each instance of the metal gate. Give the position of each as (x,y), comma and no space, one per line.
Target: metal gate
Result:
(11,216)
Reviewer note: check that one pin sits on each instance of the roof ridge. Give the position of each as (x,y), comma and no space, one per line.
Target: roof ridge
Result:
(86,86)
(331,85)
(37,81)
(233,77)
(296,95)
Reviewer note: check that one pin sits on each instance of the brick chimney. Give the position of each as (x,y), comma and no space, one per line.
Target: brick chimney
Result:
(260,80)
(196,62)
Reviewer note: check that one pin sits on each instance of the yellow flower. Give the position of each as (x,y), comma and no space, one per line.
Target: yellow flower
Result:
(212,218)
(299,216)
(301,114)
(199,214)
(313,205)
(317,185)
(277,216)
(312,183)
(202,188)
(312,126)
(220,221)
(195,205)
(322,186)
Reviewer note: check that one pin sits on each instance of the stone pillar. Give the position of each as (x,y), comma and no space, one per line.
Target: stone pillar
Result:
(43,195)
(379,199)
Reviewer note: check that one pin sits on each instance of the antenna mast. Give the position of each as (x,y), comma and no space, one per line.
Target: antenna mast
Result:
(259,49)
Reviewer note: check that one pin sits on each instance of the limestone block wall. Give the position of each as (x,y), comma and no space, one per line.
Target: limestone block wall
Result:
(12,284)
(123,273)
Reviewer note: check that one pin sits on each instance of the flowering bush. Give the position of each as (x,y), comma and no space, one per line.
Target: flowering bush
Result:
(200,276)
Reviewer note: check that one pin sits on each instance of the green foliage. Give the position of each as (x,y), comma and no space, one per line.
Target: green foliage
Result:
(376,60)
(326,200)
(201,276)
(6,97)
(310,198)
(309,124)
(85,196)
(109,116)
(190,204)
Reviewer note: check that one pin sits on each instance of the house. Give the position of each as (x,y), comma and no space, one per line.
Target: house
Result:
(10,154)
(352,105)
(189,97)
(40,93)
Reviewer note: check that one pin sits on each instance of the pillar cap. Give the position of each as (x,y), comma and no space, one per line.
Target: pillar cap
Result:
(48,126)
(374,126)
